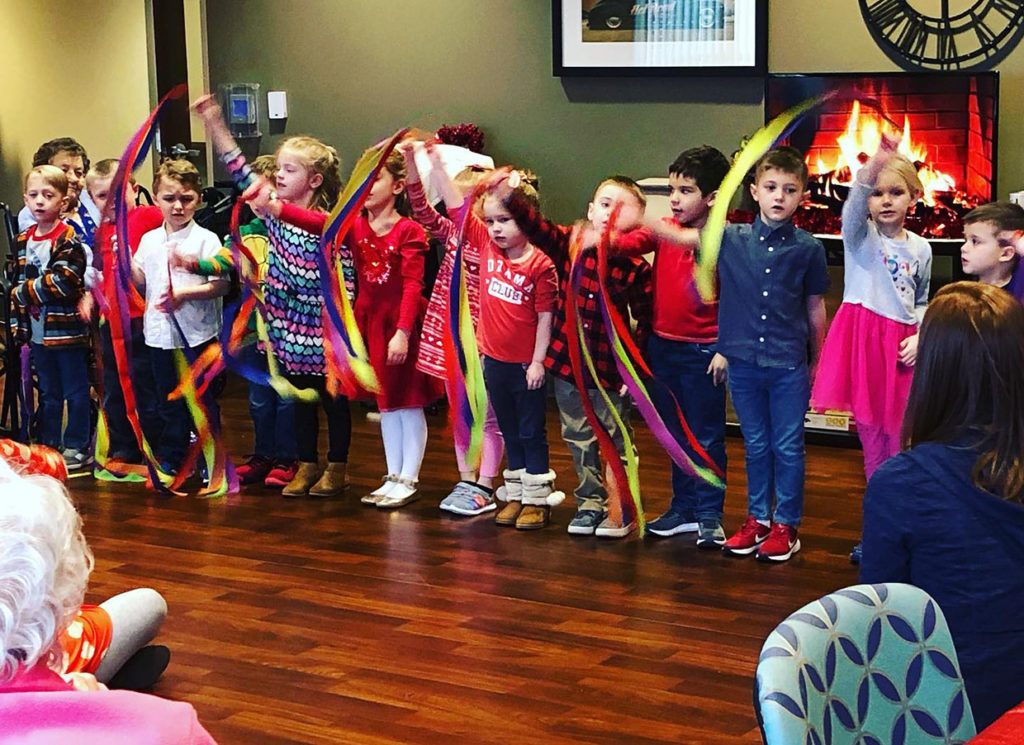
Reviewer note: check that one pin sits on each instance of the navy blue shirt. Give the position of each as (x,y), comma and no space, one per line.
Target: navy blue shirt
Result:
(926,524)
(766,276)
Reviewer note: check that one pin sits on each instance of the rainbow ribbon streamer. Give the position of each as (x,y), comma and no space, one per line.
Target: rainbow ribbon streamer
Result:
(348,365)
(461,353)
(118,292)
(762,141)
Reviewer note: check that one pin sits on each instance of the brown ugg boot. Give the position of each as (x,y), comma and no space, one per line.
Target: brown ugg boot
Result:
(539,497)
(305,477)
(511,493)
(333,481)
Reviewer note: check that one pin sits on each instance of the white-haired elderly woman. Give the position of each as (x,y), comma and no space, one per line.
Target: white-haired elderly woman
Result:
(44,566)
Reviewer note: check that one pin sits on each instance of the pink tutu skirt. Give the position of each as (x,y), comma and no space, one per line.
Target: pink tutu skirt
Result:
(860,371)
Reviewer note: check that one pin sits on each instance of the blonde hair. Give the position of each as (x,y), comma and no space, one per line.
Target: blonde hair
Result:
(181,171)
(467,179)
(52,176)
(907,171)
(265,166)
(322,159)
(44,566)
(101,169)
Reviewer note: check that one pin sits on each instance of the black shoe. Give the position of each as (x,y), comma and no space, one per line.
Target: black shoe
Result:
(142,670)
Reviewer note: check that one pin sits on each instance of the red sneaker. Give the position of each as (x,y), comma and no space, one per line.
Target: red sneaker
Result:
(746,540)
(282,473)
(253,470)
(781,544)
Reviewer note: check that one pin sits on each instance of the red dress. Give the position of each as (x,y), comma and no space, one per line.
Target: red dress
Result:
(389,270)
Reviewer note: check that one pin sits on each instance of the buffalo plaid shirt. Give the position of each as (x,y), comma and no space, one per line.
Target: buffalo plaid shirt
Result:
(629,287)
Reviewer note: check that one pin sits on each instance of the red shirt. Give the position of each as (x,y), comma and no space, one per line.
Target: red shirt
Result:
(680,313)
(512,294)
(141,220)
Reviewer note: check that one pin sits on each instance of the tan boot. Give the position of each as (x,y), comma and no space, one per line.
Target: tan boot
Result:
(539,497)
(511,493)
(305,477)
(333,481)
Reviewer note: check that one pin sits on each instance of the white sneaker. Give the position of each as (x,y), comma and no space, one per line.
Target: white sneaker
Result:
(608,529)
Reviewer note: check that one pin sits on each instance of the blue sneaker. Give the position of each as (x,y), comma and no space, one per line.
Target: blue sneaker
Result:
(673,523)
(586,522)
(468,498)
(710,534)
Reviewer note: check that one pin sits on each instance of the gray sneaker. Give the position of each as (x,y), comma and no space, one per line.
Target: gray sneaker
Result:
(586,522)
(710,534)
(468,499)
(76,460)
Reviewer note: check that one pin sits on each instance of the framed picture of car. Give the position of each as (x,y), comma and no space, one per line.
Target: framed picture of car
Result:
(660,37)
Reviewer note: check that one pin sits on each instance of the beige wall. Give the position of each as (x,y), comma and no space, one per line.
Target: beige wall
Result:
(69,68)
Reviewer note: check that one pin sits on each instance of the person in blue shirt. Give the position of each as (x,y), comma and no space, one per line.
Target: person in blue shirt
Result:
(947,513)
(771,324)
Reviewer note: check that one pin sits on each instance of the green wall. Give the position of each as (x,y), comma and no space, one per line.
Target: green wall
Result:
(356,71)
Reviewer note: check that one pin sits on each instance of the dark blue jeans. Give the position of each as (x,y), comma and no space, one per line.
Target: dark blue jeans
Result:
(63,374)
(122,438)
(771,403)
(177,422)
(682,368)
(273,418)
(521,415)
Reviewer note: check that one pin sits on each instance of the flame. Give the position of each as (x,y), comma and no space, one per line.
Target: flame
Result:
(863,135)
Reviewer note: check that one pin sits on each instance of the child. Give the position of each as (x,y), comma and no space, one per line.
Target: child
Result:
(771,311)
(53,261)
(473,495)
(389,252)
(682,345)
(868,357)
(70,157)
(988,250)
(307,176)
(183,310)
(123,445)
(629,284)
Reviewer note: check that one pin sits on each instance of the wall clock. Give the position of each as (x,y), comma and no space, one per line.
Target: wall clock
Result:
(945,34)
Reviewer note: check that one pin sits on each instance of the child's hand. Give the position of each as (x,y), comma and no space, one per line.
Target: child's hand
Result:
(168,302)
(178,260)
(85,306)
(430,146)
(890,143)
(718,369)
(398,348)
(534,375)
(908,351)
(262,197)
(83,682)
(207,108)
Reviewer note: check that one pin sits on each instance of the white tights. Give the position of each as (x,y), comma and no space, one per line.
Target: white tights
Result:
(404,432)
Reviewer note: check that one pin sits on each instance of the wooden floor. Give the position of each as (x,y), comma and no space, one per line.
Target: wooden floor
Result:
(330,622)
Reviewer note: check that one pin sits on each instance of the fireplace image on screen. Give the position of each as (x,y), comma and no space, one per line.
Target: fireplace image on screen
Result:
(948,127)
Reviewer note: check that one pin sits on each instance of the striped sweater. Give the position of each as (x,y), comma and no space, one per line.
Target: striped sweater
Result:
(55,292)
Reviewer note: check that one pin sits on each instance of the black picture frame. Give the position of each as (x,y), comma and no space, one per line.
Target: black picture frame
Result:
(755,33)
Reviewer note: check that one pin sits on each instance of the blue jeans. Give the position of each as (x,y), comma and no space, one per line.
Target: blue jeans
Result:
(771,403)
(122,437)
(273,418)
(177,422)
(63,374)
(521,415)
(682,369)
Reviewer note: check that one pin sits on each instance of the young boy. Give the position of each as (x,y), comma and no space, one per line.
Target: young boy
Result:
(141,220)
(629,284)
(52,262)
(989,237)
(682,345)
(178,303)
(771,310)
(70,157)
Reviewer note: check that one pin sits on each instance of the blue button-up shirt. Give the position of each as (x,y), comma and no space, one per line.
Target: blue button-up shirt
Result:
(766,277)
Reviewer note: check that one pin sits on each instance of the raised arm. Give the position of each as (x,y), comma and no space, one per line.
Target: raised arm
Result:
(550,238)
(207,108)
(422,212)
(855,209)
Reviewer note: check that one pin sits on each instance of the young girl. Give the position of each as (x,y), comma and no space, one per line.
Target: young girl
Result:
(389,253)
(473,495)
(867,360)
(307,176)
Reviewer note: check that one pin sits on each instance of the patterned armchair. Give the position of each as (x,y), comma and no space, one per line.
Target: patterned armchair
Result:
(866,665)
